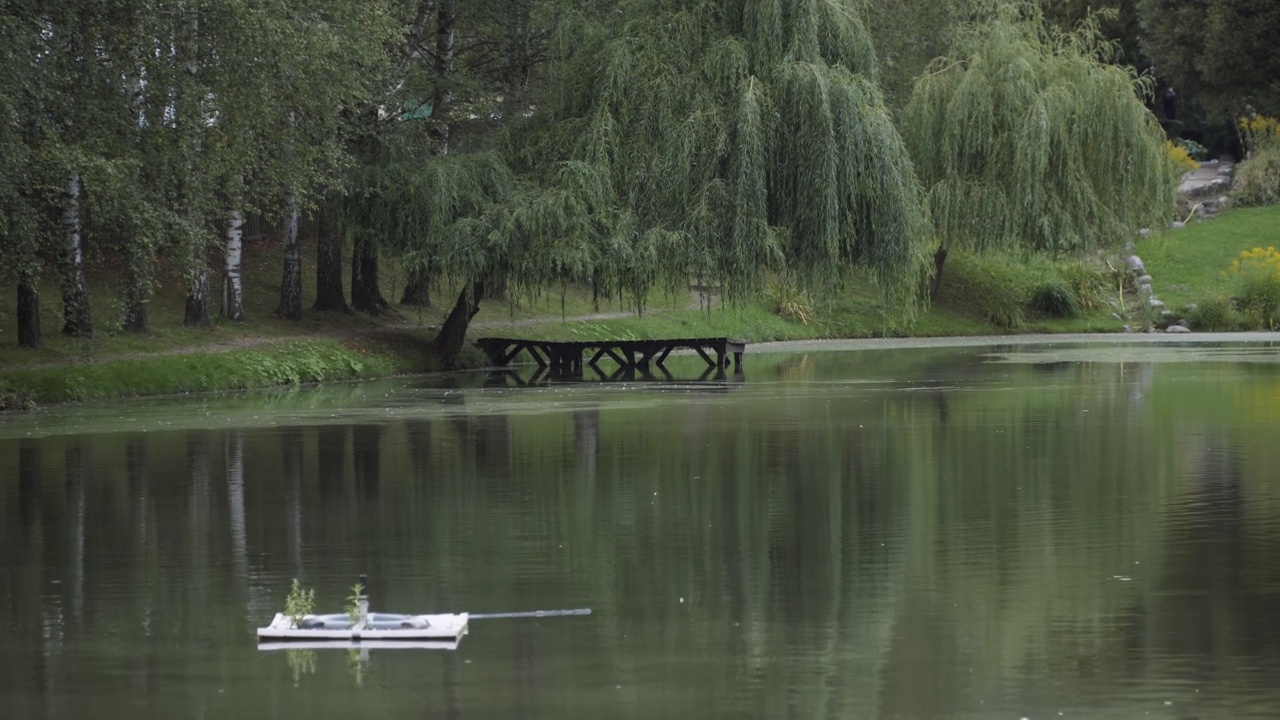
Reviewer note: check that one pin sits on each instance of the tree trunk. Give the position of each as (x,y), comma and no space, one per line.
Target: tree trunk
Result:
(366,296)
(232,285)
(290,307)
(29,335)
(197,314)
(935,283)
(75,292)
(417,290)
(329,293)
(454,331)
(442,95)
(137,289)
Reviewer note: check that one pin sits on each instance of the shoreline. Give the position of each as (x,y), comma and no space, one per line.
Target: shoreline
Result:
(320,361)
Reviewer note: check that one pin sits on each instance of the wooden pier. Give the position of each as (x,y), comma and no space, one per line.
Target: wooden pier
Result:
(566,358)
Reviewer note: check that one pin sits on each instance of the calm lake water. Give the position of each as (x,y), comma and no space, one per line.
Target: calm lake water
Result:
(1012,531)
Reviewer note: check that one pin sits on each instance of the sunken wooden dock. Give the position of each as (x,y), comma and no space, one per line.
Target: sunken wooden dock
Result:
(567,357)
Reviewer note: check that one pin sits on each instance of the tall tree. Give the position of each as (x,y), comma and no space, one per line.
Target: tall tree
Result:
(417,290)
(1219,54)
(1026,137)
(673,140)
(65,141)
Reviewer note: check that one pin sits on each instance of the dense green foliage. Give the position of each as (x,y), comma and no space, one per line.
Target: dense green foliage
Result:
(1025,137)
(1257,179)
(167,115)
(1220,53)
(722,143)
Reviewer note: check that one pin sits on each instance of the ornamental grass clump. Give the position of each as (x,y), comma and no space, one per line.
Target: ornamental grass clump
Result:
(1055,299)
(1088,283)
(791,303)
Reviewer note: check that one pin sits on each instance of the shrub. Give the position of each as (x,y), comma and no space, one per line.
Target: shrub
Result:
(1181,158)
(1193,149)
(1055,299)
(1214,314)
(1259,132)
(1256,275)
(1257,180)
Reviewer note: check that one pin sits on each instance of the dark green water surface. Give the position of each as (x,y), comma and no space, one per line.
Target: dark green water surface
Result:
(1015,531)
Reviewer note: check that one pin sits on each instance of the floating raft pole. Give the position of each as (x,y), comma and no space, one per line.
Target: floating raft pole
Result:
(530,614)
(566,357)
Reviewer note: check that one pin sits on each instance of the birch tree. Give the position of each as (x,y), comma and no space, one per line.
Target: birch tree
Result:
(233,286)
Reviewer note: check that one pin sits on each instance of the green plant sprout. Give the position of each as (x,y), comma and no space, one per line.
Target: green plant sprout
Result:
(353,602)
(300,603)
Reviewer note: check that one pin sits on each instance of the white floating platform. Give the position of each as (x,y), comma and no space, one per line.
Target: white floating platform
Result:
(359,645)
(380,627)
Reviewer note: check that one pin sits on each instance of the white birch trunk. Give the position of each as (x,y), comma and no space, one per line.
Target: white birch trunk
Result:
(75,291)
(290,306)
(232,284)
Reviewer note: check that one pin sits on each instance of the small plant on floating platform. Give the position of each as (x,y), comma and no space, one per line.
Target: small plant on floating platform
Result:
(353,602)
(300,603)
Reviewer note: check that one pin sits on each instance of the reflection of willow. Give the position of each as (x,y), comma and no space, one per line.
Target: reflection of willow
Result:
(1017,504)
(1218,578)
(776,532)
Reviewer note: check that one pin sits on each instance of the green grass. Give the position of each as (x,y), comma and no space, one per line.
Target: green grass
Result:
(289,363)
(1190,264)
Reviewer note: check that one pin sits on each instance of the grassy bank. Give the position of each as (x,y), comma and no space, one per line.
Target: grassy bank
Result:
(980,295)
(292,362)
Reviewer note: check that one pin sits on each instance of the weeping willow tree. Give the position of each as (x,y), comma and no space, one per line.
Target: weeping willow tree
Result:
(440,215)
(674,140)
(722,140)
(1026,138)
